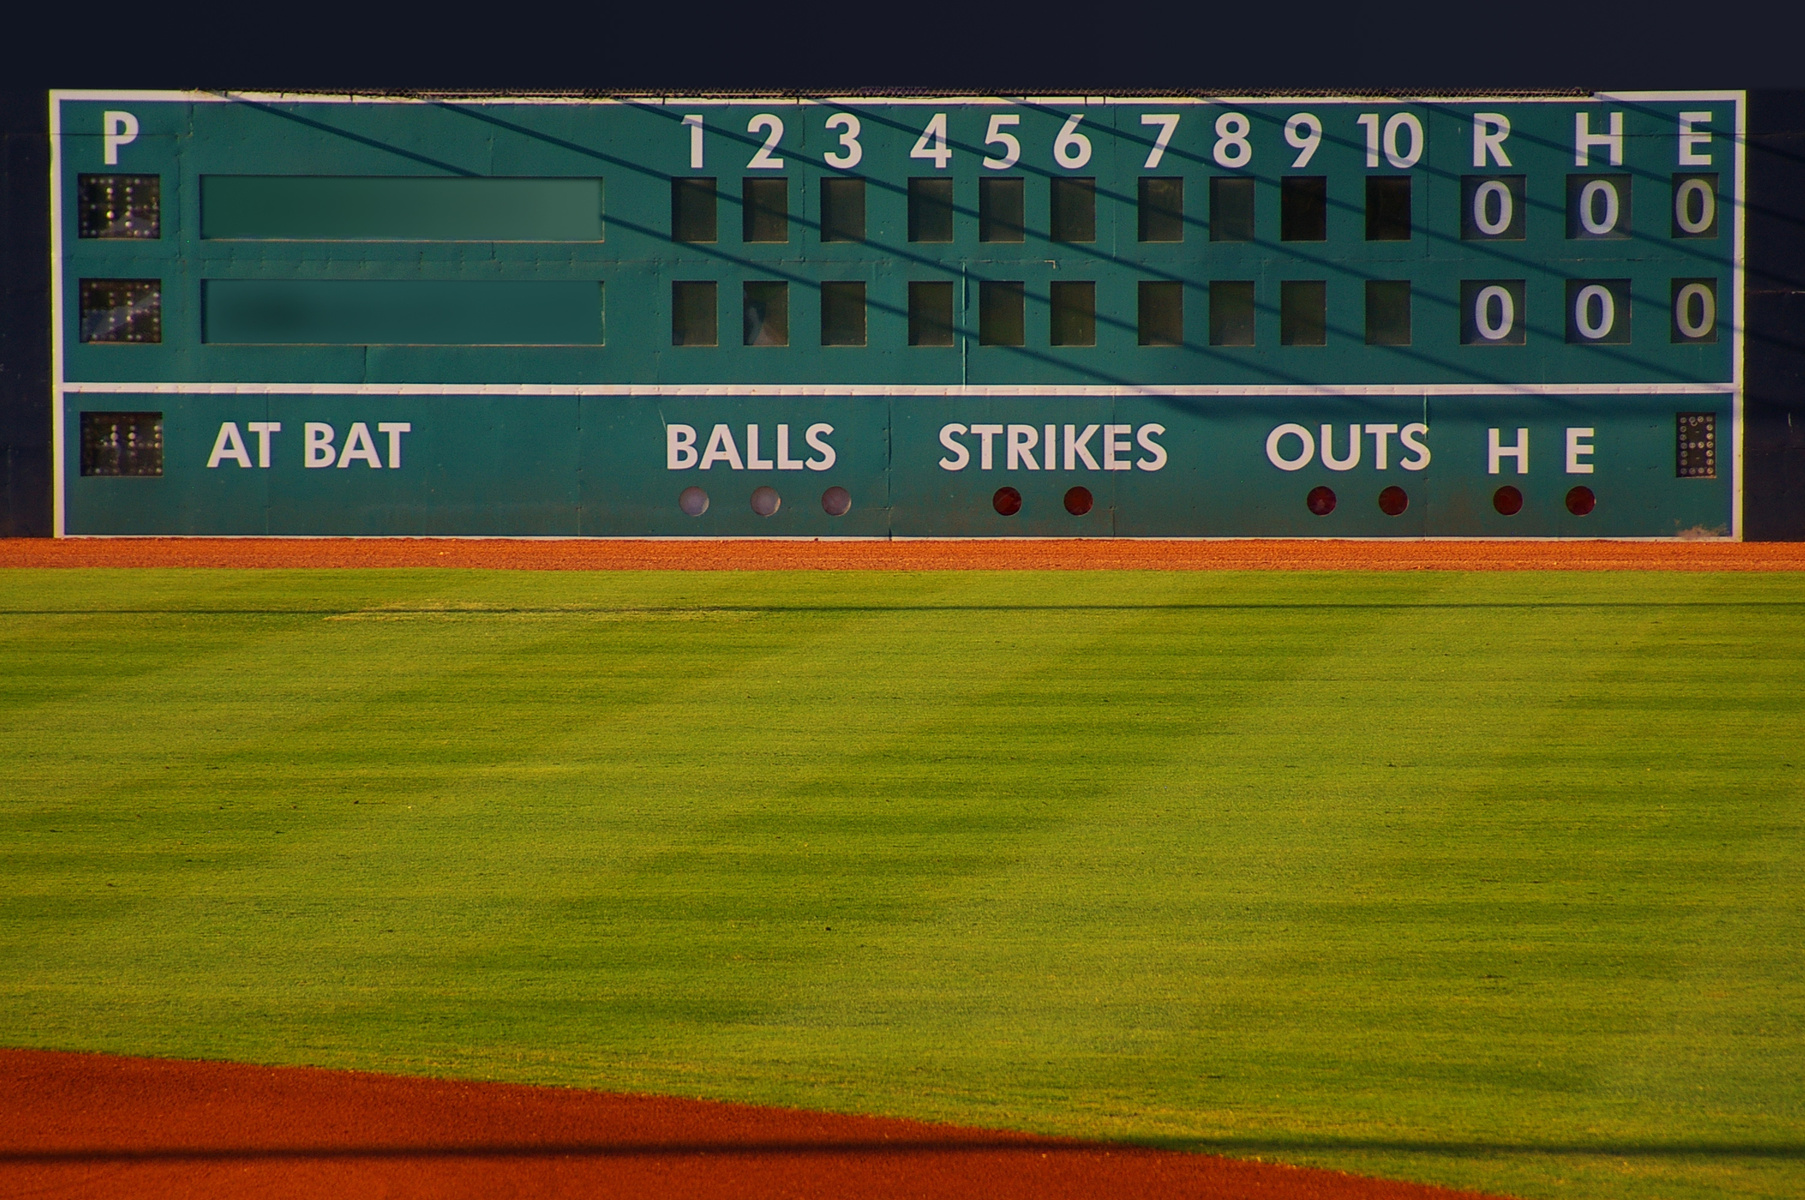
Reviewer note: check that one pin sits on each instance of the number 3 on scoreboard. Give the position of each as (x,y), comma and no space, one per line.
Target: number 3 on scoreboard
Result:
(849,139)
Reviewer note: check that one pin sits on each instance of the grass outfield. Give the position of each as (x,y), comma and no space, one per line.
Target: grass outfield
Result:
(1492,880)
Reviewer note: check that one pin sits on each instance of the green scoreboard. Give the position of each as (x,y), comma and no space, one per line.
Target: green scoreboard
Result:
(875,316)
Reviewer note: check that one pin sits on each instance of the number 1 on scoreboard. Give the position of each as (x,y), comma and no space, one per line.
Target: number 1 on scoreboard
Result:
(693,122)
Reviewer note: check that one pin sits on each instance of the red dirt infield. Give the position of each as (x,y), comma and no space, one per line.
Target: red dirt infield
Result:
(593,554)
(98,1126)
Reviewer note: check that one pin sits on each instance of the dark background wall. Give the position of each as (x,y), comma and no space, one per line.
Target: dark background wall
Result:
(24,315)
(1774,443)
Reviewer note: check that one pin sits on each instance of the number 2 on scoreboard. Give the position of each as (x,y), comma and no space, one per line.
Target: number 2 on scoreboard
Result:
(762,160)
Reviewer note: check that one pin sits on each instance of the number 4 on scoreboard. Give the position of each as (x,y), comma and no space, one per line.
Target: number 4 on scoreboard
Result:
(932,143)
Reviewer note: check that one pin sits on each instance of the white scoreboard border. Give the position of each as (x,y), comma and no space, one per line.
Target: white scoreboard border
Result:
(60,386)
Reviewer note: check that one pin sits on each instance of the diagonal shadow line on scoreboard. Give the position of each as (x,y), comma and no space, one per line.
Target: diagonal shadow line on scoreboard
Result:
(1494,248)
(1477,246)
(877,118)
(1322,261)
(361,139)
(965,331)
(1513,260)
(1691,248)
(916,258)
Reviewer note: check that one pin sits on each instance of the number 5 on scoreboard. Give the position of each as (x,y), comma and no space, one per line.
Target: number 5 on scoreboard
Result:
(1012,149)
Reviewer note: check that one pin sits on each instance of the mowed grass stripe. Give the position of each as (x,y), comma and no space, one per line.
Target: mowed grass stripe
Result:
(1488,879)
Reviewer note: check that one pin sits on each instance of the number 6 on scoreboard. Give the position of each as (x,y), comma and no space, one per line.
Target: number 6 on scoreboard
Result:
(1071,148)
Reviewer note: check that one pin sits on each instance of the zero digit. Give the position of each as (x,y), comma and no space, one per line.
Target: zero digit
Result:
(1598,312)
(1492,312)
(1493,208)
(1687,297)
(1599,206)
(1408,123)
(1694,206)
(1232,148)
(1591,218)
(1490,299)
(1492,194)
(1583,302)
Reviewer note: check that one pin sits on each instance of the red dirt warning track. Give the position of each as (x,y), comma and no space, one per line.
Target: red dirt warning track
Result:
(96,1126)
(591,554)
